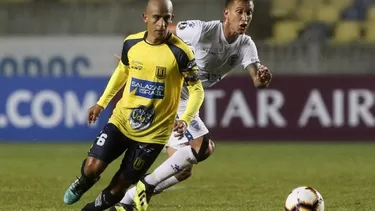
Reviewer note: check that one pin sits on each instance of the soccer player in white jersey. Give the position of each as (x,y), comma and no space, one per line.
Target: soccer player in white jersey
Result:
(219,47)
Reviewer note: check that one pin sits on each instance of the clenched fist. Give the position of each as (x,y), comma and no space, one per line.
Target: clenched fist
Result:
(264,76)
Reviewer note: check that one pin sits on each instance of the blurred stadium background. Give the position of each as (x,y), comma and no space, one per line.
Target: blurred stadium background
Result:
(57,55)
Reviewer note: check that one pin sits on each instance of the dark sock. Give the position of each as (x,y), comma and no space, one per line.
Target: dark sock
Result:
(104,201)
(86,182)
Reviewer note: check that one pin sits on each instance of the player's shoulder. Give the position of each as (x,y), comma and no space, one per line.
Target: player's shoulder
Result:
(246,41)
(213,23)
(136,36)
(209,23)
(132,40)
(179,43)
(199,24)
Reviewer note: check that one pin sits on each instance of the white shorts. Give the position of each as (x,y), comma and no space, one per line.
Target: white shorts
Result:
(195,129)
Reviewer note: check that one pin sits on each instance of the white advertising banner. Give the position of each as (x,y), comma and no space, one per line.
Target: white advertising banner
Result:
(59,56)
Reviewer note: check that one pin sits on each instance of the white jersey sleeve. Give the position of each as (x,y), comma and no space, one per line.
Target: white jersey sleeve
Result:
(190,31)
(249,53)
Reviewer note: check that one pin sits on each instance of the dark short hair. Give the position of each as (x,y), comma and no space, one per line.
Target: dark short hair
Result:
(229,2)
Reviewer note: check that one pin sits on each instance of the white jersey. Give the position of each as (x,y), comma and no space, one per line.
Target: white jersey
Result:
(214,56)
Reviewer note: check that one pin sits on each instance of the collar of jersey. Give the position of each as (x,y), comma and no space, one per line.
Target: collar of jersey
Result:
(223,37)
(164,41)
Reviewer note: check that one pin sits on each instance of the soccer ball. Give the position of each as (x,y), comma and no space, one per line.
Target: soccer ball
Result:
(304,199)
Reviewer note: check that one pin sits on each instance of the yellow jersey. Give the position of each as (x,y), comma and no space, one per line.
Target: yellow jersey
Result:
(153,76)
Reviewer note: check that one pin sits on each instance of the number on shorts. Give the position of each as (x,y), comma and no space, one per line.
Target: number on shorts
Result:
(101,139)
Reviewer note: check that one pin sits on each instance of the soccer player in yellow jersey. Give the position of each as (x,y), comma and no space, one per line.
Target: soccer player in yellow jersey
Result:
(154,66)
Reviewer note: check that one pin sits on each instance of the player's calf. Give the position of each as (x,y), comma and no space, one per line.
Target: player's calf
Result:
(183,175)
(104,150)
(90,173)
(112,194)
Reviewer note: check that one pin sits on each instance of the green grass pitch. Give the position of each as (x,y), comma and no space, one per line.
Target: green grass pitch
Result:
(252,176)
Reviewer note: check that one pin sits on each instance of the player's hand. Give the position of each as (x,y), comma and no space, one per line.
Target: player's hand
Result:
(264,76)
(93,113)
(179,128)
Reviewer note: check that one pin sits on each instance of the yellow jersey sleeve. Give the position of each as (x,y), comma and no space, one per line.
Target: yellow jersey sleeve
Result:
(118,78)
(195,101)
(189,70)
(116,82)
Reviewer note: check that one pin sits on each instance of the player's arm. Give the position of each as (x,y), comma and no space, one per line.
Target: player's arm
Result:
(116,82)
(259,73)
(196,94)
(118,78)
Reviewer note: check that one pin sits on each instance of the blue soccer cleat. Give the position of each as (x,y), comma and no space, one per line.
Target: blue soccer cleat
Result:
(77,189)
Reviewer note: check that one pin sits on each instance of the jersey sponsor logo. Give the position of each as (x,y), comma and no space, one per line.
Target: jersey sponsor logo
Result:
(160,72)
(136,65)
(147,89)
(142,117)
(182,25)
(233,59)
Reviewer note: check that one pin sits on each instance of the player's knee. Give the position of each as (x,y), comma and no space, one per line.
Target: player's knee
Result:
(92,167)
(206,149)
(184,174)
(211,148)
(209,151)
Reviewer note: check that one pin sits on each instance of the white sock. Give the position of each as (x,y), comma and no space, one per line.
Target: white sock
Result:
(129,195)
(180,160)
(166,184)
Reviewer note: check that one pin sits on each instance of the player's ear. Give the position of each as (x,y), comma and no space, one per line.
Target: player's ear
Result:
(144,15)
(226,13)
(172,17)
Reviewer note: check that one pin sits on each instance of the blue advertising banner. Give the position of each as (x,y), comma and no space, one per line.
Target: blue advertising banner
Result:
(49,109)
